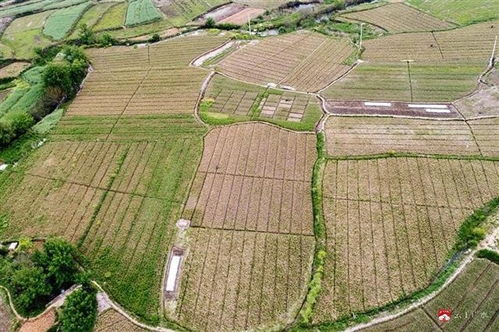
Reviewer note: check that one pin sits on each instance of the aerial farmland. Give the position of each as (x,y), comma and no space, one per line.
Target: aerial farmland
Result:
(184,165)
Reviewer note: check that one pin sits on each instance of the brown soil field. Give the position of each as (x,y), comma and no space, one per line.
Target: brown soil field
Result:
(391,224)
(112,321)
(240,280)
(136,92)
(486,132)
(242,16)
(13,69)
(254,177)
(175,52)
(42,323)
(484,102)
(7,318)
(473,298)
(303,60)
(398,17)
(471,44)
(375,135)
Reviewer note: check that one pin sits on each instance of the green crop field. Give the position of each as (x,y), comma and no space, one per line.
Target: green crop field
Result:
(460,11)
(60,23)
(112,18)
(92,16)
(140,12)
(35,6)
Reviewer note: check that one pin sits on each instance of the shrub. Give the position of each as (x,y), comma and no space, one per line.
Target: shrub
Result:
(85,35)
(210,23)
(155,38)
(79,313)
(106,40)
(491,255)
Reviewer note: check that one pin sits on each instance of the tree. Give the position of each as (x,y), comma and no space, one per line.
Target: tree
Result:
(79,312)
(58,262)
(30,286)
(57,75)
(85,35)
(210,23)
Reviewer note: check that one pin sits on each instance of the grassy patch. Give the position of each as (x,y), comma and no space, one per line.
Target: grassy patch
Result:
(113,18)
(60,23)
(140,12)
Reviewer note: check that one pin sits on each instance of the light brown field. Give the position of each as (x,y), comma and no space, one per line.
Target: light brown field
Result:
(486,132)
(391,224)
(375,135)
(303,60)
(254,177)
(175,52)
(398,17)
(484,102)
(13,69)
(473,297)
(239,280)
(139,92)
(112,321)
(469,45)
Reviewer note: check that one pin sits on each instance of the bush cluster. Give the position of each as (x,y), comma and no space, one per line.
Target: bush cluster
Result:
(36,278)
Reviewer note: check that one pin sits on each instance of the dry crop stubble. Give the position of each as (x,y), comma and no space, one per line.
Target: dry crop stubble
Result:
(388,237)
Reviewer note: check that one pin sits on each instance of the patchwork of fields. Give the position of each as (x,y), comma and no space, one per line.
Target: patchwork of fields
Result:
(299,185)
(252,247)
(230,100)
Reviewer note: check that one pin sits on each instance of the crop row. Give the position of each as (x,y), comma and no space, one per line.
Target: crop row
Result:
(391,224)
(290,59)
(171,53)
(373,135)
(237,280)
(158,91)
(472,296)
(46,207)
(403,82)
(398,17)
(471,44)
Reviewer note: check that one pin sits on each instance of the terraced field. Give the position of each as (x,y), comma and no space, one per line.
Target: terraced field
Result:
(472,297)
(398,17)
(303,60)
(391,223)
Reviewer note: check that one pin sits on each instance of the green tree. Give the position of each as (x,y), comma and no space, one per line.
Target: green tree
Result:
(30,286)
(58,262)
(210,23)
(58,76)
(79,312)
(85,35)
